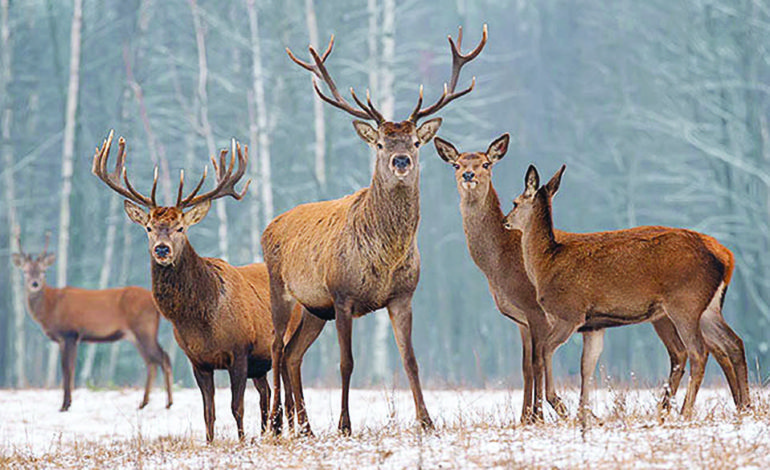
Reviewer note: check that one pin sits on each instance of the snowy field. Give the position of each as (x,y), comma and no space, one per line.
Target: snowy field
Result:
(474,429)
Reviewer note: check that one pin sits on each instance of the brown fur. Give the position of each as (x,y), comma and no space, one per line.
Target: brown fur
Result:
(631,276)
(347,257)
(220,314)
(497,252)
(70,315)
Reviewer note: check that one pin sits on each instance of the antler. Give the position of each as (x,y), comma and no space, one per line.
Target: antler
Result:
(226,179)
(112,180)
(317,68)
(45,248)
(17,234)
(458,61)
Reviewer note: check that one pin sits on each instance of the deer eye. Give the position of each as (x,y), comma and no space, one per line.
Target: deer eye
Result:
(180,229)
(456,166)
(417,144)
(149,229)
(379,145)
(485,165)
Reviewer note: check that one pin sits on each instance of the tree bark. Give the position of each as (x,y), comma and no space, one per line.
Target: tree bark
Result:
(263,139)
(68,150)
(6,118)
(319,148)
(203,115)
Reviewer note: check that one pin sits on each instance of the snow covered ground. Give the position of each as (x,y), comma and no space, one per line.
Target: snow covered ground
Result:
(474,428)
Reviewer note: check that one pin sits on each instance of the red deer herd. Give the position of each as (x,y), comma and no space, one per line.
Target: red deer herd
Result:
(341,259)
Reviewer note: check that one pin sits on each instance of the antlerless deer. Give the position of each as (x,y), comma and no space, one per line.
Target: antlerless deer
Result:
(497,252)
(605,279)
(345,258)
(220,313)
(70,315)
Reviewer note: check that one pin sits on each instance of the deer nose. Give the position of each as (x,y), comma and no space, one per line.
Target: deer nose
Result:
(401,161)
(161,251)
(468,176)
(35,284)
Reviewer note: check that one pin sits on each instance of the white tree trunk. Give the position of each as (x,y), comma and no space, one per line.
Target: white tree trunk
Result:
(318,107)
(263,139)
(205,126)
(68,149)
(125,263)
(6,117)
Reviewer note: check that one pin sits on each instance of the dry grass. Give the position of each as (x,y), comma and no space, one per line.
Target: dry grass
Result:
(474,429)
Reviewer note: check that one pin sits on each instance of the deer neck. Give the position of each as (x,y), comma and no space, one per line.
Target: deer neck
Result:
(393,210)
(488,241)
(38,304)
(538,243)
(187,289)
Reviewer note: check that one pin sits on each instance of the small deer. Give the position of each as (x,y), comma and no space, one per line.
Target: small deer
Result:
(345,258)
(604,279)
(497,252)
(70,315)
(220,313)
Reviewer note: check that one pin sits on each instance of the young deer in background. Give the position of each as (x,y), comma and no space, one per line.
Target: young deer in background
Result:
(497,252)
(70,315)
(598,280)
(220,313)
(345,258)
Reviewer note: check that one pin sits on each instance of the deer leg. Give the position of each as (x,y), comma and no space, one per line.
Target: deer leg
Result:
(307,332)
(167,377)
(688,328)
(238,371)
(593,343)
(264,399)
(560,332)
(281,312)
(344,337)
(68,351)
(677,353)
(527,374)
(288,397)
(729,352)
(400,311)
(205,380)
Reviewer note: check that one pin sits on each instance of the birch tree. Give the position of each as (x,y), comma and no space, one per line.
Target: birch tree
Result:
(68,149)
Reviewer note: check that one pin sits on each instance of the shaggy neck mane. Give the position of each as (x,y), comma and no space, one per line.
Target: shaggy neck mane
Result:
(187,289)
(389,215)
(488,241)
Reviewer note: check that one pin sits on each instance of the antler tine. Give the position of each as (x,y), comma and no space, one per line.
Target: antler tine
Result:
(154,185)
(17,234)
(318,69)
(99,168)
(226,179)
(368,107)
(45,248)
(458,61)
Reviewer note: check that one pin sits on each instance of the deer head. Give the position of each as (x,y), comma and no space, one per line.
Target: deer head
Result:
(473,170)
(167,226)
(535,201)
(33,267)
(397,143)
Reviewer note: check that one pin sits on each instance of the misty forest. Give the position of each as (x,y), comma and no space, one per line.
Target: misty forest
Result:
(659,109)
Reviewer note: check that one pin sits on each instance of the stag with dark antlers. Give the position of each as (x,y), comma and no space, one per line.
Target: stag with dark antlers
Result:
(344,258)
(220,313)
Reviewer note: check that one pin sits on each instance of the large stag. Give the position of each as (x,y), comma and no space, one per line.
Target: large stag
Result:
(345,258)
(220,313)
(497,252)
(70,315)
(605,279)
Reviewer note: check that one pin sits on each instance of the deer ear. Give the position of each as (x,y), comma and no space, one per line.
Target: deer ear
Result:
(497,149)
(197,213)
(428,129)
(18,259)
(366,132)
(136,213)
(446,150)
(531,181)
(553,184)
(49,260)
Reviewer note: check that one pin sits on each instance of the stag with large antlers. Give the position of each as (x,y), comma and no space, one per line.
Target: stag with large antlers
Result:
(220,313)
(605,279)
(345,258)
(70,315)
